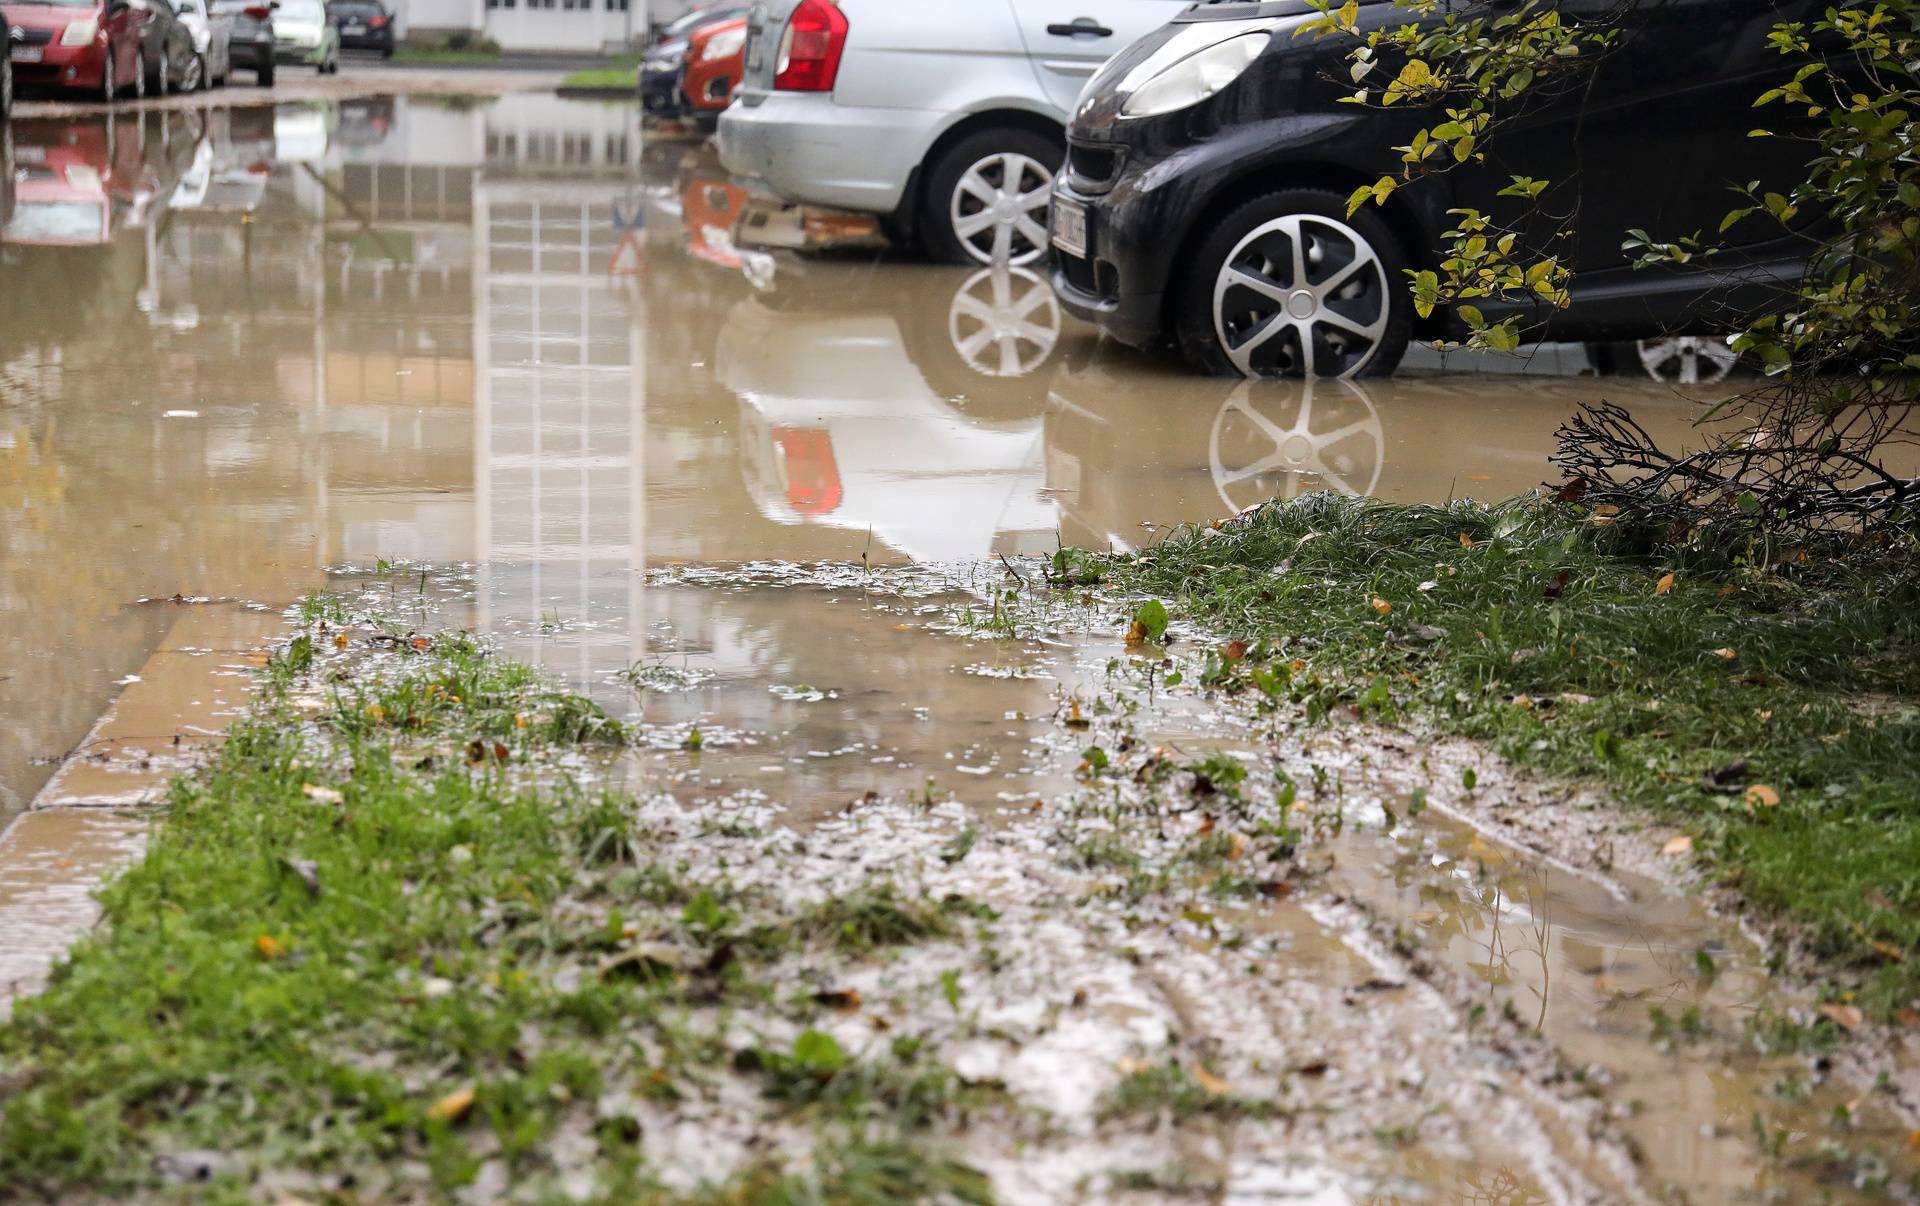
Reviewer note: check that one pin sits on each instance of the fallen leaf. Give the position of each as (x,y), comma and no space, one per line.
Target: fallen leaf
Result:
(1664,585)
(844,999)
(1606,509)
(1429,584)
(1424,917)
(1466,541)
(1573,491)
(1558,586)
(376,713)
(307,870)
(1275,889)
(1847,1016)
(1677,846)
(340,641)
(1725,654)
(324,795)
(452,1106)
(1211,1083)
(1889,952)
(421,644)
(1237,845)
(1382,606)
(1296,665)
(1235,650)
(1913,1138)
(269,946)
(1762,796)
(519,720)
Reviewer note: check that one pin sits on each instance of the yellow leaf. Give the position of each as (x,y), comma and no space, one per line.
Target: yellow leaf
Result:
(324,795)
(1466,541)
(1762,796)
(1725,654)
(340,641)
(1848,1016)
(519,720)
(376,712)
(269,946)
(1424,917)
(1382,606)
(1664,585)
(1676,847)
(1211,1083)
(452,1106)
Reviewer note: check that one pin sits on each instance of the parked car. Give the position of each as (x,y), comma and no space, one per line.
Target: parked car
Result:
(716,55)
(951,129)
(1209,167)
(664,66)
(168,47)
(212,35)
(93,46)
(303,37)
(250,41)
(364,25)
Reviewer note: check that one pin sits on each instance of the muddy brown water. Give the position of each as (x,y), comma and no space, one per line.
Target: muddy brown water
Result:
(517,340)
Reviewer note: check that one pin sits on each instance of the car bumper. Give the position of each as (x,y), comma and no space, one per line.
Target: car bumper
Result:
(251,55)
(1120,284)
(366,41)
(660,93)
(297,55)
(806,148)
(63,67)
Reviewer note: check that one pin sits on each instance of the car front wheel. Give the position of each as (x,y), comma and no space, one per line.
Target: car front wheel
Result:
(987,198)
(1289,285)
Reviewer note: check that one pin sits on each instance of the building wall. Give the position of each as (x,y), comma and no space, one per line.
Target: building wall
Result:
(583,26)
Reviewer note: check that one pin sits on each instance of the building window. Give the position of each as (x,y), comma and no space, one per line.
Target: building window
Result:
(617,6)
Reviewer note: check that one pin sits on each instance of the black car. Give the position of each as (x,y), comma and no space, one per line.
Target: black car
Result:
(363,25)
(1209,167)
(250,45)
(665,64)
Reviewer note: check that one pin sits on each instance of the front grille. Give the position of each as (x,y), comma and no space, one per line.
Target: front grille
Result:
(29,37)
(1093,167)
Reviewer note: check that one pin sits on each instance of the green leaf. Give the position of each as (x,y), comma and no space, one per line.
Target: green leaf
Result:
(1151,619)
(818,1051)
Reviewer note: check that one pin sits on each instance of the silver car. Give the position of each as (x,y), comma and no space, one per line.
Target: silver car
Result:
(212,33)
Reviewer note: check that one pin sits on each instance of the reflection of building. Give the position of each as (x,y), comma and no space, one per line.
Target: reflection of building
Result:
(559,470)
(576,25)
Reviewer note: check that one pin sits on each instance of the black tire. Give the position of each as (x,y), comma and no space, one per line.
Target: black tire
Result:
(944,175)
(1316,338)
(264,76)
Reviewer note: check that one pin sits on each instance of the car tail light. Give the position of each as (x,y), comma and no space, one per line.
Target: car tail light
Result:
(376,22)
(810,52)
(258,12)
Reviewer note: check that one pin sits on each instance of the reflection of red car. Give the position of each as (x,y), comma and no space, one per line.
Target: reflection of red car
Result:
(84,45)
(710,208)
(716,58)
(73,179)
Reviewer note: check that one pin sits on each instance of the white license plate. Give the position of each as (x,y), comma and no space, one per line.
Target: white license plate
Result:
(354,31)
(1070,227)
(28,54)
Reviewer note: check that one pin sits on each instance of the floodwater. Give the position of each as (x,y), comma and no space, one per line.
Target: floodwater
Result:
(518,341)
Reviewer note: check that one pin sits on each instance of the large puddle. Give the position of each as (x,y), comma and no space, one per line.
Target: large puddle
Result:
(517,341)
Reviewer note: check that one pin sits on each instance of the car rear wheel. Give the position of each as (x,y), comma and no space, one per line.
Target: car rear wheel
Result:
(987,198)
(1288,285)
(264,76)
(195,74)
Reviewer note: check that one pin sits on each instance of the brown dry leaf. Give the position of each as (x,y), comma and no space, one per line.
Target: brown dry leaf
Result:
(1913,1138)
(1676,847)
(1466,541)
(1725,654)
(846,1000)
(519,720)
(1296,665)
(1889,952)
(1136,633)
(1275,889)
(421,644)
(1237,845)
(1762,796)
(452,1106)
(269,946)
(1382,606)
(376,713)
(324,795)
(1424,917)
(1908,1017)
(1606,509)
(1847,1016)
(1664,585)
(1211,1083)
(1235,650)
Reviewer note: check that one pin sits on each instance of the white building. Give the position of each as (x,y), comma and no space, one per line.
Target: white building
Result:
(576,26)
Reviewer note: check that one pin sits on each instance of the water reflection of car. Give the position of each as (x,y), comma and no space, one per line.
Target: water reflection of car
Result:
(1210,166)
(861,413)
(303,37)
(664,65)
(364,25)
(212,34)
(96,46)
(75,181)
(250,41)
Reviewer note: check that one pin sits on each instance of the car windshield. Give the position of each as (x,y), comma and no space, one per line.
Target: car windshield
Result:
(298,11)
(701,16)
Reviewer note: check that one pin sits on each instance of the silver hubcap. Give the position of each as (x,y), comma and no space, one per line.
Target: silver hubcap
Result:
(1301,296)
(192,80)
(999,209)
(1004,321)
(1281,441)
(1688,359)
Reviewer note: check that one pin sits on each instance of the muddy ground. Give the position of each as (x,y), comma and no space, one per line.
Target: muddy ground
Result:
(507,361)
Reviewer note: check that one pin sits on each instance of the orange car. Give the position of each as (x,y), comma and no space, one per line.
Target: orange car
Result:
(716,58)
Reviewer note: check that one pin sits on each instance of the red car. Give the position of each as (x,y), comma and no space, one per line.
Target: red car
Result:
(716,59)
(85,45)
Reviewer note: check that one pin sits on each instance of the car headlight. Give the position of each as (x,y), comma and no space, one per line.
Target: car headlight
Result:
(724,46)
(1196,77)
(79,33)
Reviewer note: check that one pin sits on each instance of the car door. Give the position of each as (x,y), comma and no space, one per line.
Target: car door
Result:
(1069,40)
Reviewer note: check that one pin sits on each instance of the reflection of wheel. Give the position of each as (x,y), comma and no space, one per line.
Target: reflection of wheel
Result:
(1288,285)
(1688,359)
(987,198)
(1004,321)
(1281,441)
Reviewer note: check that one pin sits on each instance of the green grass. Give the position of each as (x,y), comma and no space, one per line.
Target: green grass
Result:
(617,72)
(361,944)
(1545,631)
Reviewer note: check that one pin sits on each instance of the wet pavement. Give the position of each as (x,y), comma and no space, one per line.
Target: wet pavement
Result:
(522,342)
